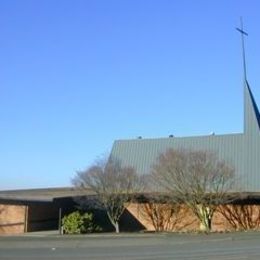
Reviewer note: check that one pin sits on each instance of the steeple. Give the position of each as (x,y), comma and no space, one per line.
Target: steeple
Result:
(251,112)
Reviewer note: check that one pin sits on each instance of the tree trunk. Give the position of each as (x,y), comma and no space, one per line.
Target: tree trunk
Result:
(113,222)
(117,227)
(205,224)
(205,219)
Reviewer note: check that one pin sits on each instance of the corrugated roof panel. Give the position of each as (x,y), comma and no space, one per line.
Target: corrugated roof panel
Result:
(242,151)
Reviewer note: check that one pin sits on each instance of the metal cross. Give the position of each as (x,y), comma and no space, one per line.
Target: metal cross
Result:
(243,33)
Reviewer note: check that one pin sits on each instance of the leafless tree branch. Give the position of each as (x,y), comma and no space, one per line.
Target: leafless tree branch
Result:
(113,184)
(195,178)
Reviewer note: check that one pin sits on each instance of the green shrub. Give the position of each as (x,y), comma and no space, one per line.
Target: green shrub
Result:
(77,223)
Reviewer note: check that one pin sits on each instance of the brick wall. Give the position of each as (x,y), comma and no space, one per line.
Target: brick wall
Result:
(17,219)
(12,219)
(226,218)
(43,216)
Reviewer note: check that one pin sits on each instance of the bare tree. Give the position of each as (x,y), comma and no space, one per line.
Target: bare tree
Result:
(241,216)
(195,178)
(162,216)
(114,185)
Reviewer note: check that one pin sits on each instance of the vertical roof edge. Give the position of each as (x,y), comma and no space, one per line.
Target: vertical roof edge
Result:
(250,105)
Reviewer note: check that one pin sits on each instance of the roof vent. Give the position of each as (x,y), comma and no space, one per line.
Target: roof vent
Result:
(171,136)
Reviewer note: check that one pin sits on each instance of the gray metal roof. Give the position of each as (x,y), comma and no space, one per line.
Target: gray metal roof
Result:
(242,150)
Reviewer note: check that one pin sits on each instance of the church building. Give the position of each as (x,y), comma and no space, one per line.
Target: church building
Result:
(240,150)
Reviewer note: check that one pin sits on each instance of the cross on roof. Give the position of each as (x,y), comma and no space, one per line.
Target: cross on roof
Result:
(243,33)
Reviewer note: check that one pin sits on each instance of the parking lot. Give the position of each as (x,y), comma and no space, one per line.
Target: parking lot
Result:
(132,246)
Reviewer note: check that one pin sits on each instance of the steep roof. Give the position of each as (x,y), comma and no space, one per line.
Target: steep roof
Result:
(242,150)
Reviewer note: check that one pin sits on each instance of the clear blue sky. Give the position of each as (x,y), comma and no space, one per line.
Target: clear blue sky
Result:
(76,75)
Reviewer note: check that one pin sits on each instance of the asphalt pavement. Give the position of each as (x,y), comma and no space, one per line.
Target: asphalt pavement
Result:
(239,245)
